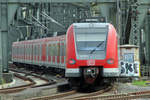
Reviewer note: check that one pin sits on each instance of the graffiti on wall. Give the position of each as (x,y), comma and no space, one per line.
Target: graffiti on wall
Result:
(129,69)
(128,66)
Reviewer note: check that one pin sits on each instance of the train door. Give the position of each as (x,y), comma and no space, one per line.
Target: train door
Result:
(58,53)
(49,53)
(43,53)
(33,53)
(46,53)
(23,53)
(64,53)
(29,53)
(38,54)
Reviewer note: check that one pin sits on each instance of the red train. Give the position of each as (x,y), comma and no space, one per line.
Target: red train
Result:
(86,53)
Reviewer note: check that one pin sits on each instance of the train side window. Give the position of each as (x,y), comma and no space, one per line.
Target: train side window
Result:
(17,51)
(49,50)
(24,51)
(14,50)
(40,51)
(64,49)
(46,49)
(53,53)
(33,50)
(56,48)
(29,51)
(52,46)
(20,50)
(59,48)
(37,49)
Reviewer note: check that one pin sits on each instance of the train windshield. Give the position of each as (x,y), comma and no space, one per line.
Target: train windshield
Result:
(91,41)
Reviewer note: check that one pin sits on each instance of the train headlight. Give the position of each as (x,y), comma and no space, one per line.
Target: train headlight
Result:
(72,61)
(110,61)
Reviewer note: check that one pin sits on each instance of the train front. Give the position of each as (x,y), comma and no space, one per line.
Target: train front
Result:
(91,52)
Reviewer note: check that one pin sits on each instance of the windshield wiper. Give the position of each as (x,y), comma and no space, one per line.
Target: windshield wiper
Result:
(97,47)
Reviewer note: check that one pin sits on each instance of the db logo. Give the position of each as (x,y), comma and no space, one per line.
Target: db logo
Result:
(90,62)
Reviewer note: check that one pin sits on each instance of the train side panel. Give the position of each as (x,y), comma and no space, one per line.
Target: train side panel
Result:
(48,52)
(111,70)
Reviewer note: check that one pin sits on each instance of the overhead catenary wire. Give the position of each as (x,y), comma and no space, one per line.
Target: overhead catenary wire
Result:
(51,19)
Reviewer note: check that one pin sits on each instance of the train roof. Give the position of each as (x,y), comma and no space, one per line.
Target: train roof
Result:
(57,38)
(84,25)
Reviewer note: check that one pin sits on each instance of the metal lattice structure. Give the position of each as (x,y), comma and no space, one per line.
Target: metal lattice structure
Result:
(31,19)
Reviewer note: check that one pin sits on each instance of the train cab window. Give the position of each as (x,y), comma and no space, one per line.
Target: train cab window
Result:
(91,40)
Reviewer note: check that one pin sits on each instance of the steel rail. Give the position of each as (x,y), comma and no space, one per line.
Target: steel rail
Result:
(55,96)
(123,96)
(36,76)
(18,88)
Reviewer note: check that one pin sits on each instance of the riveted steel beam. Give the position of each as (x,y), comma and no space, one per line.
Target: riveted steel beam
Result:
(56,1)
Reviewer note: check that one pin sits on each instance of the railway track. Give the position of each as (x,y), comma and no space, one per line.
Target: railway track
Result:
(74,93)
(30,83)
(124,96)
(47,82)
(55,96)
(19,88)
(95,96)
